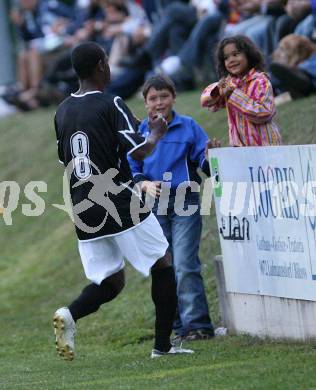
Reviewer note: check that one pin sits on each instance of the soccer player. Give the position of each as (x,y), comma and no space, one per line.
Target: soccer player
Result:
(94,132)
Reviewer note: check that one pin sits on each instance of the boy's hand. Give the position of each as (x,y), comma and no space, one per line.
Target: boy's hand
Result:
(153,188)
(210,144)
(158,125)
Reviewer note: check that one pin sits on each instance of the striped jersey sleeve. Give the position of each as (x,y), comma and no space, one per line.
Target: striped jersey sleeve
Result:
(127,127)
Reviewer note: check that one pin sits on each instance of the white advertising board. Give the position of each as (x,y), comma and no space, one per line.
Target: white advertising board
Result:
(265,199)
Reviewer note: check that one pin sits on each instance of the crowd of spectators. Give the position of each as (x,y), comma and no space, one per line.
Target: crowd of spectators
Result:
(143,37)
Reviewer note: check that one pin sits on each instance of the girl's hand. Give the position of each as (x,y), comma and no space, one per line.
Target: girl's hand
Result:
(153,188)
(210,144)
(210,96)
(226,86)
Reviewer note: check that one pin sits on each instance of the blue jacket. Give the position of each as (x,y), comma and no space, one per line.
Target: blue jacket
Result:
(180,151)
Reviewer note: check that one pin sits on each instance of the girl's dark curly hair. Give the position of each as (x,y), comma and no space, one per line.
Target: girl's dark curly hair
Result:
(245,45)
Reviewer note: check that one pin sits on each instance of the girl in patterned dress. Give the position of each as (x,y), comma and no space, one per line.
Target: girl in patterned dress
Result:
(246,92)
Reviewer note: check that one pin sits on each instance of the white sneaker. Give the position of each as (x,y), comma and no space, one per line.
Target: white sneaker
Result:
(155,353)
(65,330)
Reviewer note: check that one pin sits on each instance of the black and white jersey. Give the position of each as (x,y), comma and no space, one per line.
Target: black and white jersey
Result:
(95,131)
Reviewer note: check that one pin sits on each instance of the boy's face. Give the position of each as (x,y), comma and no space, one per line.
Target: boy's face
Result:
(160,101)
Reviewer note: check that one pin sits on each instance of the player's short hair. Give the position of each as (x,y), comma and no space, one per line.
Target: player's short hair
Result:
(159,82)
(85,58)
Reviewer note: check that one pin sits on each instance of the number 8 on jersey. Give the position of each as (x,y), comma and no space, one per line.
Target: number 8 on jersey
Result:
(79,143)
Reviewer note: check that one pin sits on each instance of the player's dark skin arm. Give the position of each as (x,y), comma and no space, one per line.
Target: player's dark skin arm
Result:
(158,127)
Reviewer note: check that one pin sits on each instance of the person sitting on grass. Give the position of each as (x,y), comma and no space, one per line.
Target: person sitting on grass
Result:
(294,65)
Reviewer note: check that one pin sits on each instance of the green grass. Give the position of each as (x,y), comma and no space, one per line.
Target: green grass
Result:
(40,271)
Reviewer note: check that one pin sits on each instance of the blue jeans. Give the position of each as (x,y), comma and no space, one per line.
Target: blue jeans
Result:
(183,234)
(306,26)
(205,30)
(172,31)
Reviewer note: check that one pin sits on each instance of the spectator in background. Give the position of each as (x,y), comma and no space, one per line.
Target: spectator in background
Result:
(294,65)
(179,40)
(27,18)
(202,39)
(296,11)
(168,35)
(39,25)
(301,11)
(118,26)
(126,27)
(86,24)
(257,22)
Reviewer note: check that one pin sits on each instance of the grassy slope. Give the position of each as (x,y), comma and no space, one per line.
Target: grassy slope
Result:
(40,271)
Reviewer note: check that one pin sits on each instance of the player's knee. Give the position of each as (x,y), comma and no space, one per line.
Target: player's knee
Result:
(163,262)
(117,282)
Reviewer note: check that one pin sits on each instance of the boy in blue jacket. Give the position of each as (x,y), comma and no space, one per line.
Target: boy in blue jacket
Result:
(172,167)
